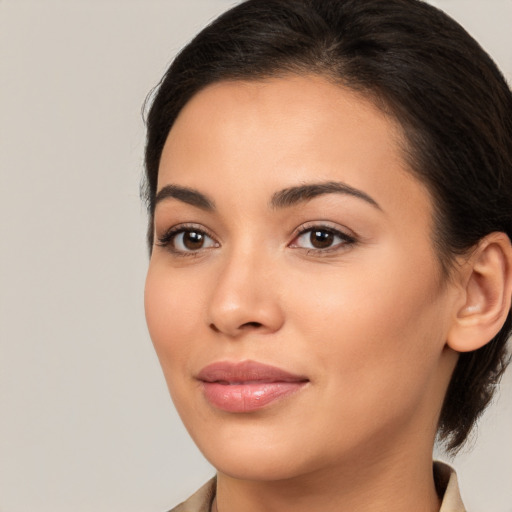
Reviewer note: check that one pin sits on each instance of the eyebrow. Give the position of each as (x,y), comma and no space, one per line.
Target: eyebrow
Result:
(283,199)
(185,195)
(303,193)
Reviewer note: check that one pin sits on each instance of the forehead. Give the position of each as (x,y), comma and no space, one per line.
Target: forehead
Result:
(283,131)
(288,110)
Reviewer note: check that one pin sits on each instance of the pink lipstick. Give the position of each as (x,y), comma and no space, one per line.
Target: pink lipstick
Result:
(247,386)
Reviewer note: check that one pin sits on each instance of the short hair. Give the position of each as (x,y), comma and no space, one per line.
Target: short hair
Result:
(420,67)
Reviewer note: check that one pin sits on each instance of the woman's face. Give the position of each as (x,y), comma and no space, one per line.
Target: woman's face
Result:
(293,296)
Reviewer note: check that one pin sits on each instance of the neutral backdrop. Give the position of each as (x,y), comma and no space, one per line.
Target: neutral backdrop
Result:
(85,420)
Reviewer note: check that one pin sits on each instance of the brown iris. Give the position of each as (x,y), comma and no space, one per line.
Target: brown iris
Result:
(193,240)
(321,239)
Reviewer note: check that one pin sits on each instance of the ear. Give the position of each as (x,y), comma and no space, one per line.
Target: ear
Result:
(485,295)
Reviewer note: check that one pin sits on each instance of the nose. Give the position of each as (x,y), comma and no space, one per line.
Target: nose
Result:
(245,297)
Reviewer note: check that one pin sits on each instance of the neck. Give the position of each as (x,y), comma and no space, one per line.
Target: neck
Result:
(401,485)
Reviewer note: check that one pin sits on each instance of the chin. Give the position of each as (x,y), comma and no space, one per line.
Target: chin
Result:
(257,465)
(251,454)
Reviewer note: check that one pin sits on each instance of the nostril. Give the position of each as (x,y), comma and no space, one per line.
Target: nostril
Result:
(247,325)
(214,328)
(251,324)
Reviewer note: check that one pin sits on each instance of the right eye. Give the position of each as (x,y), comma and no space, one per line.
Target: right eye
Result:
(187,241)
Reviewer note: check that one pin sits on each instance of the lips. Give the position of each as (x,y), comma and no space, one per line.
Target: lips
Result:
(247,386)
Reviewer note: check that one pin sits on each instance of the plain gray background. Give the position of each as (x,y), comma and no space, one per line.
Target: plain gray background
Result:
(85,420)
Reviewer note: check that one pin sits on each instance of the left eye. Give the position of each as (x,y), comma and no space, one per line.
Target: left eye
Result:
(319,238)
(191,240)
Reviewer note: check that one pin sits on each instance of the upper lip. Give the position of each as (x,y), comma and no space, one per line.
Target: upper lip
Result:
(246,372)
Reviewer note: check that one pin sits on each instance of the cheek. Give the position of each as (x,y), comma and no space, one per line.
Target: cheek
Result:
(376,325)
(171,310)
(374,342)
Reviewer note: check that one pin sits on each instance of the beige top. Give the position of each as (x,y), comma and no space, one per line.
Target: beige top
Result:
(445,477)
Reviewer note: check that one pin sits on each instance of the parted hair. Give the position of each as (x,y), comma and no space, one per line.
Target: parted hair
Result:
(425,71)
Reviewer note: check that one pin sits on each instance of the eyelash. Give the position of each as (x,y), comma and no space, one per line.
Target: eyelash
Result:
(346,240)
(168,238)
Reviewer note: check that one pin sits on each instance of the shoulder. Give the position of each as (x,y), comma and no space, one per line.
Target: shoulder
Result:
(200,501)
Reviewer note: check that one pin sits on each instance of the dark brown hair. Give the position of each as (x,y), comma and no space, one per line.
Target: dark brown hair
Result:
(419,65)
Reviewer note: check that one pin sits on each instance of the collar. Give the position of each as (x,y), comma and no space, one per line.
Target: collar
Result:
(448,486)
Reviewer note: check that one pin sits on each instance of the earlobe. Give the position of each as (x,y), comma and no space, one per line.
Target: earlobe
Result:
(487,291)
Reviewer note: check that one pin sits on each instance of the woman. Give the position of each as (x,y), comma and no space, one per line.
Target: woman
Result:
(329,184)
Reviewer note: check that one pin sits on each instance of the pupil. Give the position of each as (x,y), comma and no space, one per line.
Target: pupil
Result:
(321,239)
(193,240)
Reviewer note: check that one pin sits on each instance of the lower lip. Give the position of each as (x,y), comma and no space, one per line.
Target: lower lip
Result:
(248,397)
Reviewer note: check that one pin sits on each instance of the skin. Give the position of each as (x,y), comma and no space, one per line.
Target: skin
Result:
(365,320)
